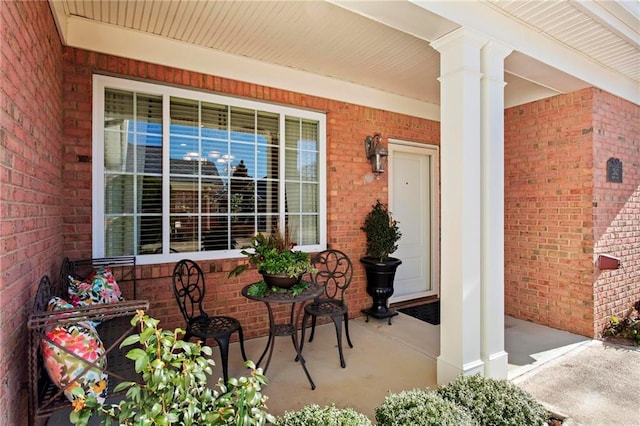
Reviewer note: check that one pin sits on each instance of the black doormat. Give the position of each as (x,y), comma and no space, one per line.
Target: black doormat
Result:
(429,312)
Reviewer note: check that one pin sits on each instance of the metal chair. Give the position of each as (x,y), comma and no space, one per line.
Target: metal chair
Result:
(189,290)
(334,272)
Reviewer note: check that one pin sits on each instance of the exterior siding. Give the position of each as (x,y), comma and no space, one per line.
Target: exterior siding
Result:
(548,214)
(31,208)
(349,196)
(616,134)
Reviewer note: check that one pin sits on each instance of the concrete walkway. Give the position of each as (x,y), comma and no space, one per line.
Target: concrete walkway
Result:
(596,384)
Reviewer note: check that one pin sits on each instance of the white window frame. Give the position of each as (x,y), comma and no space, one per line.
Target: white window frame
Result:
(102,82)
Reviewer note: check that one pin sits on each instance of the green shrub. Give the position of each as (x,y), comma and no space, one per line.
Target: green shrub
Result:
(420,408)
(174,387)
(314,415)
(382,232)
(627,327)
(494,402)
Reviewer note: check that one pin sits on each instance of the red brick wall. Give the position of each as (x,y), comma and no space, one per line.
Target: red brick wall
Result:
(30,175)
(616,133)
(349,197)
(548,214)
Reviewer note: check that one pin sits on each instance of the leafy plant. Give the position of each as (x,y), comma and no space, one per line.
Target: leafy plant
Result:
(258,289)
(274,254)
(174,388)
(421,408)
(494,402)
(382,232)
(261,288)
(314,415)
(627,327)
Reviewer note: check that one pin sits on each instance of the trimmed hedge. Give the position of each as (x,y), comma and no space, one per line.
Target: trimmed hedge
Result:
(314,415)
(494,402)
(421,408)
(466,401)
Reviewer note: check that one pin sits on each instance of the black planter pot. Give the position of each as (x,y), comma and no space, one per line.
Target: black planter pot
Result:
(280,280)
(380,276)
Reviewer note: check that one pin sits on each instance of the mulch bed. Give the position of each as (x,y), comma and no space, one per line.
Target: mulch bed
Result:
(619,341)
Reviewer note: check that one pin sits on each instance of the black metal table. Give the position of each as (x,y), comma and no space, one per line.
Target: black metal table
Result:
(288,328)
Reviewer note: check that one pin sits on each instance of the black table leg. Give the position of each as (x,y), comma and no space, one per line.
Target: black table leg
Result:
(283,330)
(300,358)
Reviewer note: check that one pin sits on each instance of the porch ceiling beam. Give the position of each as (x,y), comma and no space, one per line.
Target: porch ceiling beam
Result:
(485,19)
(403,16)
(615,16)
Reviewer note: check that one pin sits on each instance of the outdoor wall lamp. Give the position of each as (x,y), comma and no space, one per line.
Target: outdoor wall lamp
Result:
(375,153)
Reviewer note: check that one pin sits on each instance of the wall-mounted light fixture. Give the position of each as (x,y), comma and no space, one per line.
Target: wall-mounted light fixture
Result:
(376,154)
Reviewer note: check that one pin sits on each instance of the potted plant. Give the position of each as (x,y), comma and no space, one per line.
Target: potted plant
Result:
(275,259)
(174,386)
(382,233)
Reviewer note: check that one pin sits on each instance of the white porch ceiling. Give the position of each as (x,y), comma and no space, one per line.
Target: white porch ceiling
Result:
(383,45)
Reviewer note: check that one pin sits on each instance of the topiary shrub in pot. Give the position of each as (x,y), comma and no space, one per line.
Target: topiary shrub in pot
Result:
(382,233)
(174,388)
(494,402)
(314,415)
(421,408)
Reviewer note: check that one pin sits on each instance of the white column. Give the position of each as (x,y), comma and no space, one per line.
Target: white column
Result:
(492,194)
(460,331)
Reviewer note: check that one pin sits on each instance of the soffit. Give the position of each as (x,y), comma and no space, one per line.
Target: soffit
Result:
(382,45)
(606,31)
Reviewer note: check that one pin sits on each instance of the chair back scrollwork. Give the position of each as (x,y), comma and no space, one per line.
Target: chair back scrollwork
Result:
(189,289)
(334,271)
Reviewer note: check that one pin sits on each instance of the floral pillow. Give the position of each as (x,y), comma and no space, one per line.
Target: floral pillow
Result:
(66,369)
(99,287)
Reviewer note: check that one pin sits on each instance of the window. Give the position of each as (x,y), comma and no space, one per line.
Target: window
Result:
(178,171)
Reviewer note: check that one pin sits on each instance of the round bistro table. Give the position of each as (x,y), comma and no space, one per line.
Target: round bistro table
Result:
(288,328)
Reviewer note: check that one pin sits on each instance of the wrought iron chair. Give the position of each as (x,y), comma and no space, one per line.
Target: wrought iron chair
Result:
(334,272)
(189,290)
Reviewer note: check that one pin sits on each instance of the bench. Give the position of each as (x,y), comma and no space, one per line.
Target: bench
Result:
(114,326)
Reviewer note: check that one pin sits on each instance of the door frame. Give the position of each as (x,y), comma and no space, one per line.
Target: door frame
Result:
(434,152)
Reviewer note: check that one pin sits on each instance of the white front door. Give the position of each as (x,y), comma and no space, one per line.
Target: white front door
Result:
(413,178)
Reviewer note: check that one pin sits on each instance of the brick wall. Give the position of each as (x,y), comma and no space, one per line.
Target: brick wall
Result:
(616,134)
(30,175)
(552,148)
(349,197)
(548,214)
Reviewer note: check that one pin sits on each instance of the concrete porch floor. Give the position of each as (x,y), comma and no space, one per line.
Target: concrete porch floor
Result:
(385,358)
